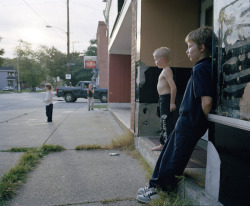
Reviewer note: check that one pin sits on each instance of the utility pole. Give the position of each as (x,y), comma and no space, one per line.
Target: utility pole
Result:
(68,71)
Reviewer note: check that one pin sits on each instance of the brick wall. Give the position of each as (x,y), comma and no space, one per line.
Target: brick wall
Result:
(133,63)
(120,78)
(102,54)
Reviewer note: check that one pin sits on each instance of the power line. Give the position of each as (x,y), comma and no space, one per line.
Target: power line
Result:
(35,12)
(45,22)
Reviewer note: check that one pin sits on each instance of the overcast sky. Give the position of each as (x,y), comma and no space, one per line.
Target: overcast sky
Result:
(27,20)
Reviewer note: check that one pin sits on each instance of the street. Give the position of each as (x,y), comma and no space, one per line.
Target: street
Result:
(69,177)
(23,103)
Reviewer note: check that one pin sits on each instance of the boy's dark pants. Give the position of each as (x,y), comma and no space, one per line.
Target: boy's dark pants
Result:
(175,155)
(49,111)
(167,117)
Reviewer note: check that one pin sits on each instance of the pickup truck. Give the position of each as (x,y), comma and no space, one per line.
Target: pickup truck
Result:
(71,94)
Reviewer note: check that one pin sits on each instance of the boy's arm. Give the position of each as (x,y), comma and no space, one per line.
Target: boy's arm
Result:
(46,100)
(173,88)
(206,104)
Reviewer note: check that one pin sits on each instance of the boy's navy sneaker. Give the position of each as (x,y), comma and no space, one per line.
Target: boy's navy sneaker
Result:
(143,190)
(148,196)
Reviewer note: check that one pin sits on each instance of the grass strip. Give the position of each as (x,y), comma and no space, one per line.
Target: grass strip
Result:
(19,149)
(89,147)
(17,175)
(170,199)
(100,106)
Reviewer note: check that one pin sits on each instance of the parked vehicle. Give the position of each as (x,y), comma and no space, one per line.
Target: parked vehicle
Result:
(7,88)
(38,89)
(71,94)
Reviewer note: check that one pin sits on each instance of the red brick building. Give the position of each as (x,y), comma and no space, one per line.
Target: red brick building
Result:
(102,54)
(137,27)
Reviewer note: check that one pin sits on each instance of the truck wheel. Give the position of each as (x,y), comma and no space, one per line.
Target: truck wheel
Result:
(69,97)
(103,98)
(74,100)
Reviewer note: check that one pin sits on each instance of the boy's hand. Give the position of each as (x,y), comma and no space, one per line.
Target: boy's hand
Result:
(172,107)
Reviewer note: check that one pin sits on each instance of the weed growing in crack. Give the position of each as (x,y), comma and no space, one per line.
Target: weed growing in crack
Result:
(17,175)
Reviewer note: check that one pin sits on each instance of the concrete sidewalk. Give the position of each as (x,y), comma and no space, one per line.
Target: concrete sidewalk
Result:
(72,177)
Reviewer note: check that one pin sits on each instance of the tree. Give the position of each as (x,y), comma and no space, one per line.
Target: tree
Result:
(92,49)
(31,71)
(1,54)
(78,73)
(53,61)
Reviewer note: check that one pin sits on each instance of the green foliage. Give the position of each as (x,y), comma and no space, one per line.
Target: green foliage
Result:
(78,73)
(52,148)
(170,199)
(19,149)
(92,49)
(53,61)
(88,147)
(45,64)
(100,106)
(18,174)
(124,142)
(1,54)
(30,69)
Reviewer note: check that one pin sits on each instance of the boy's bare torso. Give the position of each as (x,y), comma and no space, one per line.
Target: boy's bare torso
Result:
(162,85)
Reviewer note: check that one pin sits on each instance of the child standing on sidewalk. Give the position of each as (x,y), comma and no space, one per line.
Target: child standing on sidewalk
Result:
(48,102)
(90,94)
(167,92)
(192,122)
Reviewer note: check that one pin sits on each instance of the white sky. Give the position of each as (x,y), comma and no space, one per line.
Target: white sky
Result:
(27,20)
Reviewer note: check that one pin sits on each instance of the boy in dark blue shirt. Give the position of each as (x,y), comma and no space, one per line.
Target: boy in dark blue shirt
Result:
(192,122)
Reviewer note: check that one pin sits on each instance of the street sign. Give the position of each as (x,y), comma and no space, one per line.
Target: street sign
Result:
(90,62)
(68,76)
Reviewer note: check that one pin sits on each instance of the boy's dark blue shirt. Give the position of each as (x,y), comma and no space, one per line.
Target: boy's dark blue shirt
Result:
(199,84)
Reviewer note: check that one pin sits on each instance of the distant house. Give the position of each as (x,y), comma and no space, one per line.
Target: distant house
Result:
(7,77)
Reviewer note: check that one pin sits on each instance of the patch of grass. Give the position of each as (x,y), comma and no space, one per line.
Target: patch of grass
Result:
(170,199)
(51,148)
(124,142)
(88,147)
(100,106)
(19,149)
(17,175)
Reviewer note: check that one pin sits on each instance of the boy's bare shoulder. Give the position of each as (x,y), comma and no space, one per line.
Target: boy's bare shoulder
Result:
(167,72)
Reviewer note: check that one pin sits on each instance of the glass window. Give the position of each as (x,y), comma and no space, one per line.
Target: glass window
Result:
(232,58)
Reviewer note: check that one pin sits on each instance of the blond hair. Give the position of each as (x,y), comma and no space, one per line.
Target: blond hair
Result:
(163,52)
(48,85)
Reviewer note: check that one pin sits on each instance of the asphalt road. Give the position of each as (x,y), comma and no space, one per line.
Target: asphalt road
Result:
(13,105)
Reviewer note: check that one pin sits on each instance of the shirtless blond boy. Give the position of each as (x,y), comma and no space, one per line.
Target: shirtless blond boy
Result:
(167,92)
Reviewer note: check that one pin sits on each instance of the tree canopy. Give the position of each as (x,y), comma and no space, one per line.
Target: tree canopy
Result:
(45,64)
(1,54)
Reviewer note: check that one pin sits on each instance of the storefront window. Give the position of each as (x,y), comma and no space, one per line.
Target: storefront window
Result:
(232,58)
